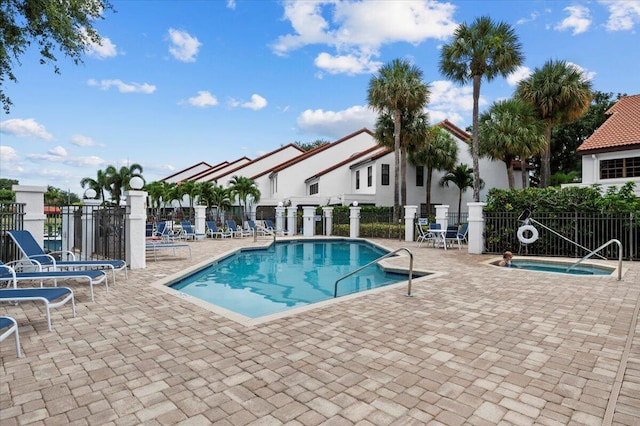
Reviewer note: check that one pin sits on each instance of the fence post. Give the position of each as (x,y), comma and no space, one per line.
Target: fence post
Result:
(200,219)
(327,212)
(442,215)
(354,220)
(476,228)
(308,220)
(136,227)
(33,199)
(409,218)
(280,219)
(291,220)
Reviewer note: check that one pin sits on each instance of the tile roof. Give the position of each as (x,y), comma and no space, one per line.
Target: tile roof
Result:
(620,131)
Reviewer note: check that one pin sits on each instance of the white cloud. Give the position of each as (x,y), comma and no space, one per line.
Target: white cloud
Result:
(58,151)
(25,128)
(204,99)
(123,87)
(81,140)
(357,29)
(231,4)
(579,20)
(347,64)
(257,103)
(589,75)
(452,102)
(106,49)
(532,17)
(518,75)
(60,156)
(184,47)
(623,15)
(336,124)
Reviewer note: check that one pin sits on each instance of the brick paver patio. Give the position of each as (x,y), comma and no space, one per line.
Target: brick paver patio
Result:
(474,345)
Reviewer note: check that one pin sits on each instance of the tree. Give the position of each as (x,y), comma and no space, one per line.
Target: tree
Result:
(397,88)
(156,191)
(440,153)
(99,184)
(309,146)
(191,189)
(509,130)
(219,197)
(243,188)
(414,135)
(6,193)
(483,49)
(52,25)
(118,180)
(560,93)
(462,177)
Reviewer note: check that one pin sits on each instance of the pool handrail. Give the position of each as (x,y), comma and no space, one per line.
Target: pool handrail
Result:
(597,250)
(335,287)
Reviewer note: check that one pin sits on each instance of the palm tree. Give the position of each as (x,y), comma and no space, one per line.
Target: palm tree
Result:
(219,197)
(191,189)
(440,153)
(99,184)
(243,188)
(483,49)
(156,191)
(414,135)
(462,177)
(561,93)
(118,180)
(509,130)
(398,88)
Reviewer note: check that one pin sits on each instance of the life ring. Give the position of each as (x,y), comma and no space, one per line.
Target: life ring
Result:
(534,234)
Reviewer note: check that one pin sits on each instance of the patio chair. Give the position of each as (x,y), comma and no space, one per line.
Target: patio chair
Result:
(266,227)
(423,234)
(237,230)
(31,250)
(9,274)
(455,235)
(189,233)
(50,296)
(165,232)
(213,231)
(11,328)
(253,229)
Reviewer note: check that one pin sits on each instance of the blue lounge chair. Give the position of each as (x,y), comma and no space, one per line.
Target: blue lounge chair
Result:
(31,250)
(165,232)
(11,328)
(7,273)
(213,231)
(189,233)
(51,297)
(237,230)
(455,235)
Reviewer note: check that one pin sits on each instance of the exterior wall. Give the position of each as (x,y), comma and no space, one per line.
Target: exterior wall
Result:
(259,165)
(591,170)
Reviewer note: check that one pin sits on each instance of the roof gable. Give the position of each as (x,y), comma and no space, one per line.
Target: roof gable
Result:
(620,131)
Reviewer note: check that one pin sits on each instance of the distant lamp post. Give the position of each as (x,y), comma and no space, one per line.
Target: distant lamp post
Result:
(136,183)
(355,204)
(280,204)
(90,193)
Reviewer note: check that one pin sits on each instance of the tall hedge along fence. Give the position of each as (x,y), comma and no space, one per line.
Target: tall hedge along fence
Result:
(587,216)
(375,222)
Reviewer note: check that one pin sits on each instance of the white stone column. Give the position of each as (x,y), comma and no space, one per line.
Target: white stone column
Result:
(136,223)
(354,221)
(327,212)
(476,228)
(200,219)
(308,221)
(33,199)
(409,219)
(442,215)
(89,206)
(279,220)
(291,220)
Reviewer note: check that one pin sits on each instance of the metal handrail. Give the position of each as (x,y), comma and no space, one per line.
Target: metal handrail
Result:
(335,287)
(597,250)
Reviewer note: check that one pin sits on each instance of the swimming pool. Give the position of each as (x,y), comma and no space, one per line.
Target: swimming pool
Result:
(560,267)
(287,274)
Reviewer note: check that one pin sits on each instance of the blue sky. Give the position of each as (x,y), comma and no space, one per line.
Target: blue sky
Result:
(179,82)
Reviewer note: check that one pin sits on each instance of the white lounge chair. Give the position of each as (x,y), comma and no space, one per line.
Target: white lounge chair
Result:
(11,328)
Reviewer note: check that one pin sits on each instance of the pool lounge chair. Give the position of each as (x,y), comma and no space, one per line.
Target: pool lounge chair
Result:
(189,233)
(213,231)
(31,250)
(11,328)
(9,274)
(267,227)
(236,230)
(165,232)
(455,235)
(50,296)
(155,247)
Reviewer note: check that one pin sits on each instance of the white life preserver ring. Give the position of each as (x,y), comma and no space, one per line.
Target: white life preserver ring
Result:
(534,234)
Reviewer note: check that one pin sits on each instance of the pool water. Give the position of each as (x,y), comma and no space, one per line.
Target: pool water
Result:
(258,282)
(561,268)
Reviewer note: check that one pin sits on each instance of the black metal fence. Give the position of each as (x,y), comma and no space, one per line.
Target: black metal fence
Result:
(565,234)
(90,232)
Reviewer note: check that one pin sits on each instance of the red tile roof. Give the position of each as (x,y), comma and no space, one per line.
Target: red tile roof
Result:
(621,130)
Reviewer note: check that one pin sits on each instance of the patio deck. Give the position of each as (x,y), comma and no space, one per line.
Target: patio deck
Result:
(475,345)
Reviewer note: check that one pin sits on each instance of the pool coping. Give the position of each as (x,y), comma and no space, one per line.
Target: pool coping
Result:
(164,283)
(562,260)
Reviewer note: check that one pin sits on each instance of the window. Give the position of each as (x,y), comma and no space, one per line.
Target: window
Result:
(419,175)
(313,188)
(357,179)
(369,176)
(620,168)
(385,175)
